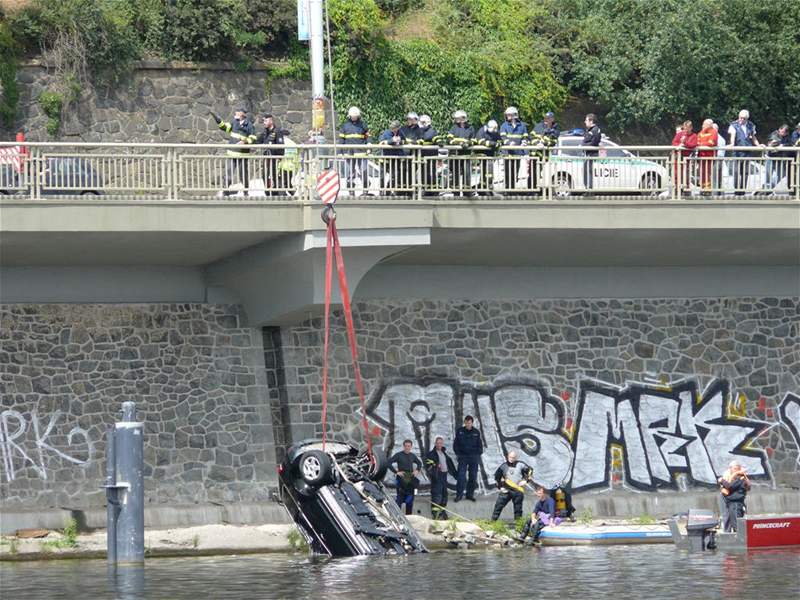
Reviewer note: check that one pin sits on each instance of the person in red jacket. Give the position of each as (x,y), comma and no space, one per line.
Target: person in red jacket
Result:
(707,138)
(686,140)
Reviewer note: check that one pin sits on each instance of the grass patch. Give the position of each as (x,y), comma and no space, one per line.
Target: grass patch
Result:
(297,542)
(585,516)
(497,527)
(68,539)
(645,519)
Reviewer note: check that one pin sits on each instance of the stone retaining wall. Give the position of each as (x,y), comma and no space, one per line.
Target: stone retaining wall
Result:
(194,370)
(163,102)
(526,367)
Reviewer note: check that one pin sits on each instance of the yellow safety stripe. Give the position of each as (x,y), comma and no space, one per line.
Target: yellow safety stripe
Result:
(513,485)
(352,136)
(513,135)
(458,140)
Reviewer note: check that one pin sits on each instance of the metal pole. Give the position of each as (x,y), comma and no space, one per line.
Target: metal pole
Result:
(111,496)
(317,49)
(125,462)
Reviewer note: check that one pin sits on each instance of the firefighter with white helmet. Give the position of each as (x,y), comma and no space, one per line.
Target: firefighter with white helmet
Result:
(410,131)
(485,144)
(355,132)
(514,133)
(461,134)
(429,137)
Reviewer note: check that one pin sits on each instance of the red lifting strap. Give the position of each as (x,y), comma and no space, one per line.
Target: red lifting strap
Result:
(334,248)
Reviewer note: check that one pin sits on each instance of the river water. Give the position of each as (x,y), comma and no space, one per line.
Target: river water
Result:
(588,573)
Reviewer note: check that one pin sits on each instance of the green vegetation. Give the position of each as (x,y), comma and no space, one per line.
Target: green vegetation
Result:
(69,538)
(585,516)
(52,103)
(642,62)
(645,519)
(195,541)
(297,542)
(498,527)
(12,543)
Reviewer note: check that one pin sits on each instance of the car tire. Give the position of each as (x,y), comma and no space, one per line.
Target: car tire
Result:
(316,468)
(650,184)
(562,185)
(379,464)
(88,193)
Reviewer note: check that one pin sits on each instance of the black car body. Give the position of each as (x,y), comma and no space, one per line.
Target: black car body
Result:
(336,498)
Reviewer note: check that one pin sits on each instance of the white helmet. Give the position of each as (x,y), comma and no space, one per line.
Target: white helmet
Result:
(491,126)
(412,115)
(353,112)
(512,111)
(424,121)
(460,114)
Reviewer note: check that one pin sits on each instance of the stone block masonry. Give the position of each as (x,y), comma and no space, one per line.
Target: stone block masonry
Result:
(195,371)
(643,393)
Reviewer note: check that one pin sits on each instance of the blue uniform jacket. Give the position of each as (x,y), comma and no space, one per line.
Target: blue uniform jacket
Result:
(514,134)
(468,442)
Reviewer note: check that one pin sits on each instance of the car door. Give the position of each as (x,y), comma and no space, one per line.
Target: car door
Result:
(612,170)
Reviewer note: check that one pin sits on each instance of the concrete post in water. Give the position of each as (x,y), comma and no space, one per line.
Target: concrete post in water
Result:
(125,489)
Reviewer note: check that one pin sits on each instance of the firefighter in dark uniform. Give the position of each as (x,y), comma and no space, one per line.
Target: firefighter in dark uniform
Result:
(485,144)
(392,141)
(406,471)
(274,178)
(514,133)
(439,465)
(545,136)
(355,132)
(411,134)
(511,478)
(240,133)
(592,137)
(461,134)
(429,138)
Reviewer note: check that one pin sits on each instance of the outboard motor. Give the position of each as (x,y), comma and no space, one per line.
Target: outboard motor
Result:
(701,528)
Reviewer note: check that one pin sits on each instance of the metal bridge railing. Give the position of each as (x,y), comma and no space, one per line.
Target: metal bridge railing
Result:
(198,171)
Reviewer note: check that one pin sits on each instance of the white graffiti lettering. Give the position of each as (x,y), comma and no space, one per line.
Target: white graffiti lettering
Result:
(14,443)
(659,431)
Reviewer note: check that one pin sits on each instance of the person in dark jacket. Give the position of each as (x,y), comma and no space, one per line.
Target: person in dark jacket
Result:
(392,141)
(354,131)
(544,513)
(778,161)
(485,144)
(514,133)
(429,137)
(742,134)
(407,469)
(461,134)
(548,128)
(439,465)
(545,135)
(241,133)
(592,137)
(734,486)
(511,478)
(468,447)
(272,136)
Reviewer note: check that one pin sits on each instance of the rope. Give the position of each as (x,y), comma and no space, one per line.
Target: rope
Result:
(333,250)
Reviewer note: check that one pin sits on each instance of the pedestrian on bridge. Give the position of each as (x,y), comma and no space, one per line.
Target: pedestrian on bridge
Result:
(241,133)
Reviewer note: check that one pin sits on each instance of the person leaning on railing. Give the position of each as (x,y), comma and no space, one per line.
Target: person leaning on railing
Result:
(778,161)
(272,136)
(354,131)
(486,143)
(794,140)
(514,133)
(461,134)
(742,133)
(392,141)
(686,141)
(429,137)
(707,138)
(240,134)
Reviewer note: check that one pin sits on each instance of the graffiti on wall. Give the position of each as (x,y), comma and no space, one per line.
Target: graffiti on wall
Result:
(789,415)
(657,435)
(25,443)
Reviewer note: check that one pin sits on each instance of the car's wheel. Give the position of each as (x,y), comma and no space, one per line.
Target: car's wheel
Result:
(562,184)
(316,468)
(650,184)
(90,193)
(378,465)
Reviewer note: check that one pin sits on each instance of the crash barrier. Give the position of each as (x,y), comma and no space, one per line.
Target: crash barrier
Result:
(196,171)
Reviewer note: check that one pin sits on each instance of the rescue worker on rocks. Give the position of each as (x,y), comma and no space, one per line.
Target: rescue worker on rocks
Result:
(355,132)
(273,176)
(439,465)
(429,138)
(407,469)
(461,134)
(241,133)
(468,446)
(392,141)
(742,133)
(544,514)
(514,133)
(486,144)
(734,486)
(511,478)
(545,136)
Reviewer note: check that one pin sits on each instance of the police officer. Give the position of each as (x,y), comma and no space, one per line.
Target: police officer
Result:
(240,133)
(742,134)
(272,136)
(485,144)
(511,478)
(392,140)
(591,137)
(461,134)
(468,447)
(439,465)
(514,133)
(354,131)
(428,137)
